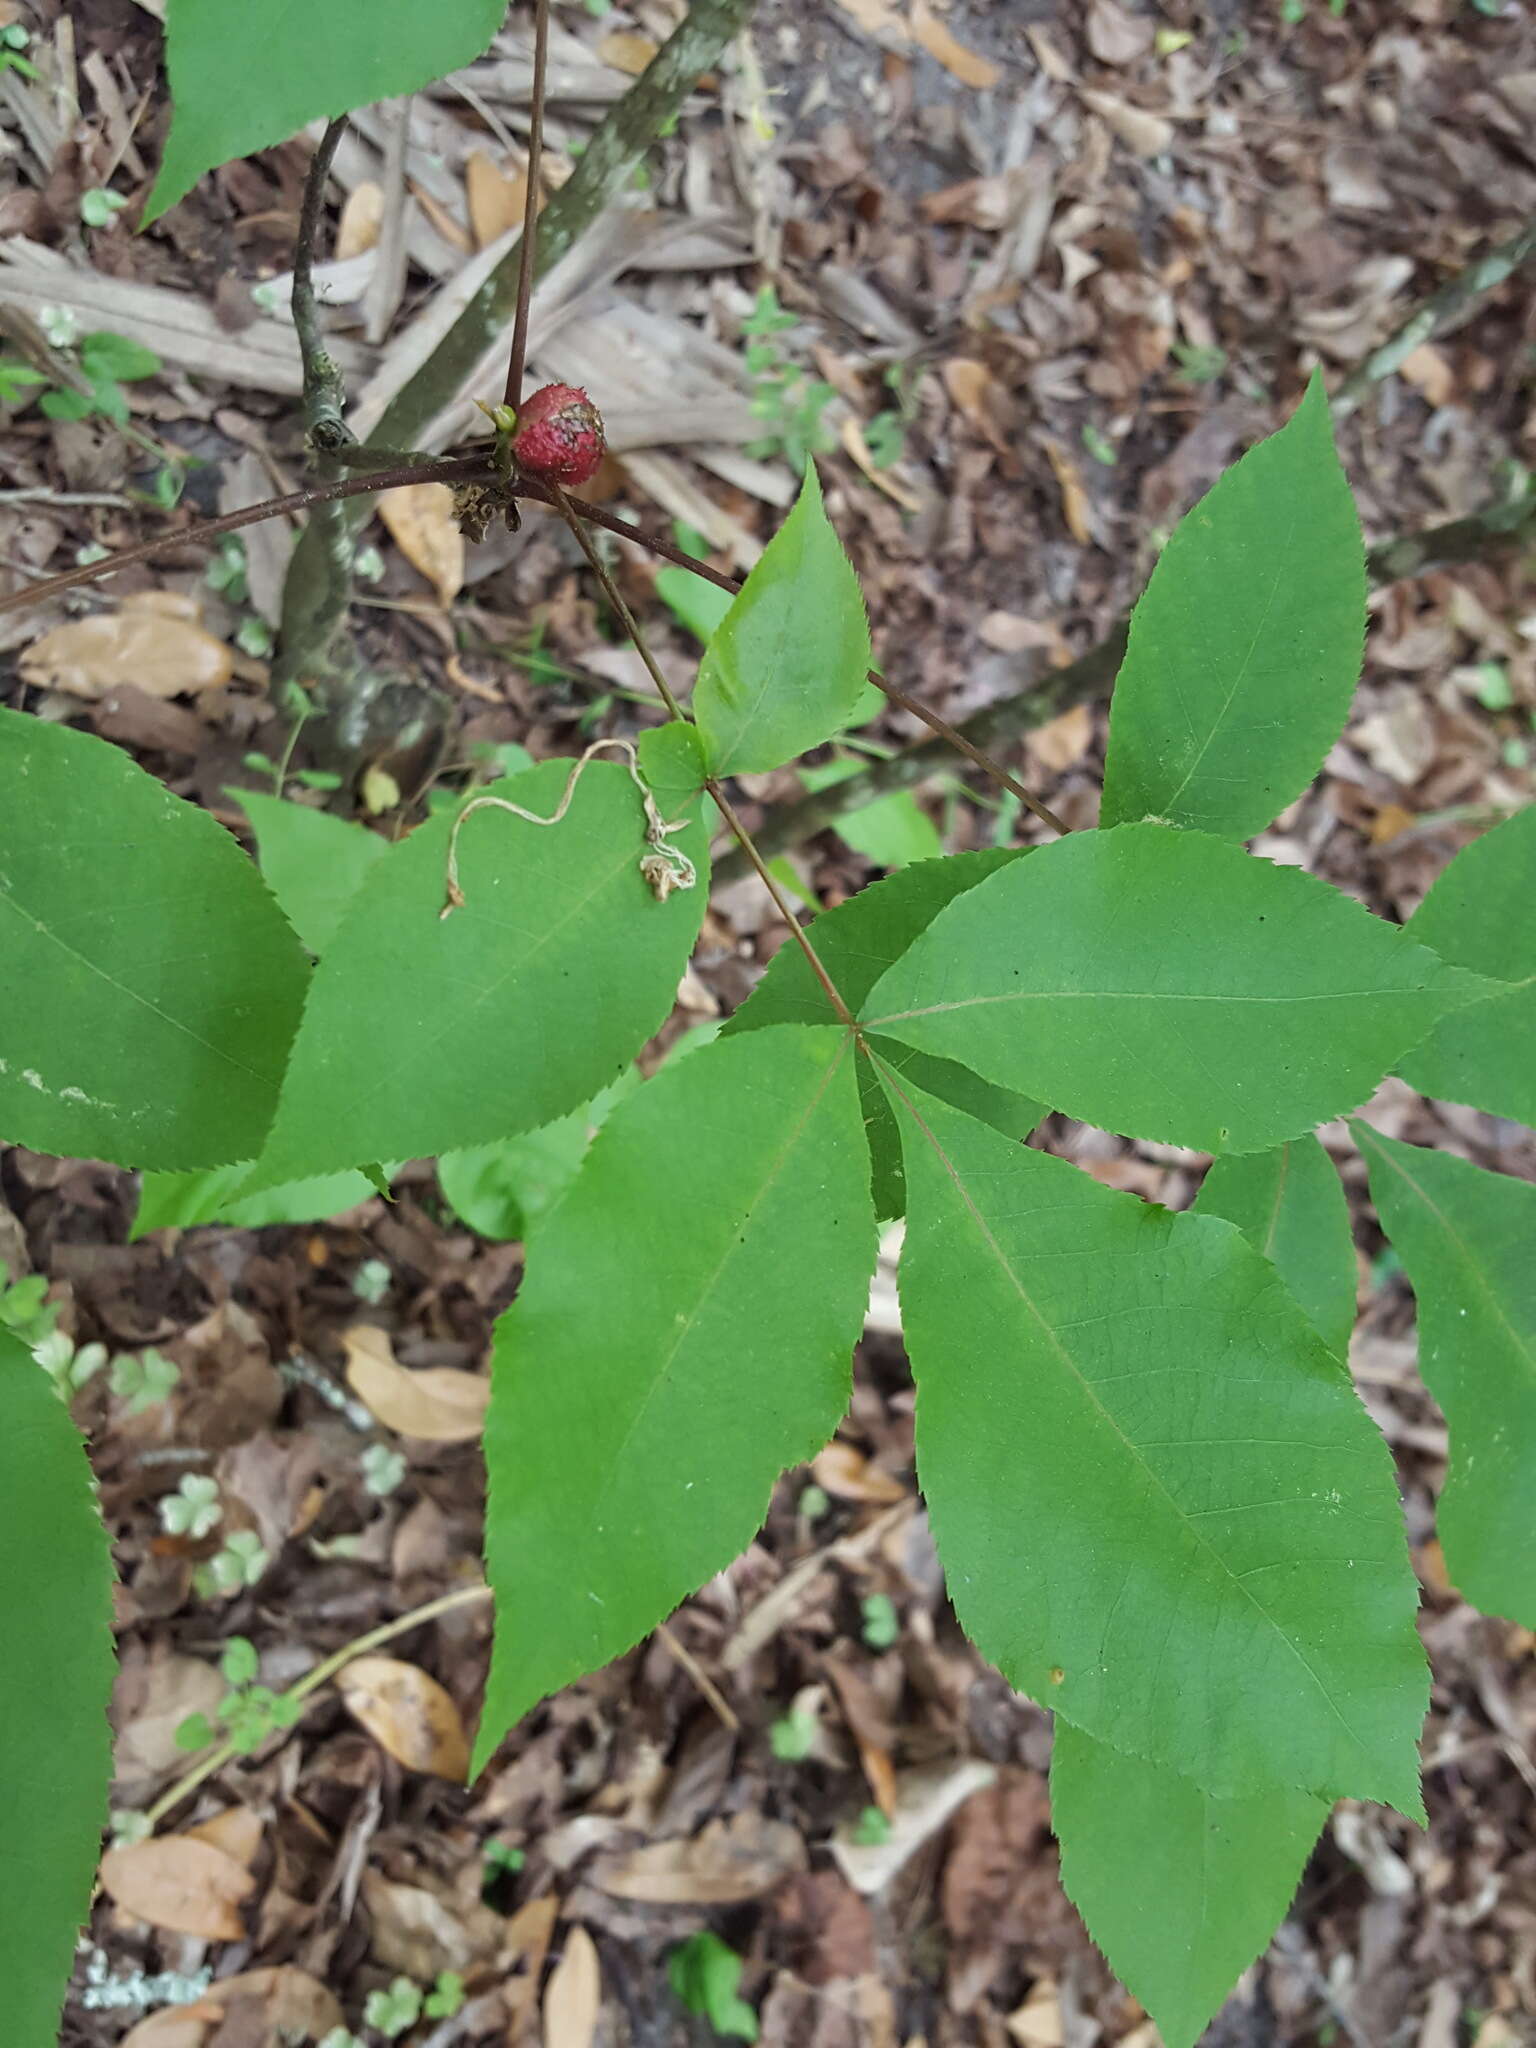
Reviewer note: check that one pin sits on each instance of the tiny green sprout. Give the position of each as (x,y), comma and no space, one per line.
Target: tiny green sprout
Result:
(369,565)
(170,481)
(394,2010)
(238,1663)
(128,1826)
(226,572)
(240,1563)
(93,551)
(383,1469)
(501,1859)
(1168,41)
(340,2037)
(15,380)
(886,439)
(68,1368)
(445,1998)
(871,1829)
(142,1379)
(370,1282)
(704,1972)
(193,1509)
(13,40)
(1198,365)
(26,1312)
(194,1731)
(254,636)
(793,1736)
(317,778)
(99,207)
(768,316)
(813,1503)
(60,325)
(259,764)
(1516,753)
(1099,445)
(1492,685)
(882,1624)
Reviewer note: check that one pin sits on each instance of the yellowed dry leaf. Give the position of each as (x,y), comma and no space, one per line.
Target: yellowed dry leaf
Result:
(407,1713)
(972,390)
(163,656)
(878,18)
(266,2008)
(574,1995)
(361,219)
(237,1831)
(1061,742)
(847,1473)
(969,66)
(496,198)
(1143,133)
(180,2026)
(1051,61)
(452,229)
(626,51)
(1428,370)
(440,1405)
(854,442)
(421,521)
(1037,2022)
(1012,632)
(724,1864)
(1075,507)
(173,604)
(1114,36)
(186,1886)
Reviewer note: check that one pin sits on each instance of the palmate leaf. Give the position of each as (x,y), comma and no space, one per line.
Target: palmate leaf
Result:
(1179,1889)
(1290,1206)
(684,1332)
(1164,985)
(423,1034)
(1468,1241)
(856,943)
(1479,914)
(55,1681)
(1245,650)
(786,665)
(149,985)
(243,77)
(1160,1508)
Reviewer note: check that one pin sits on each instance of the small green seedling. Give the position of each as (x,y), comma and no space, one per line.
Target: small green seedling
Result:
(704,1972)
(793,1736)
(813,1503)
(370,1282)
(107,362)
(194,1510)
(383,1469)
(240,1563)
(882,1624)
(788,401)
(871,1829)
(99,207)
(13,40)
(142,1378)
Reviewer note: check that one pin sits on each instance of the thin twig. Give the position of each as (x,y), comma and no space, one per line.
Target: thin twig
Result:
(325,396)
(701,1678)
(448,469)
(527,248)
(312,1681)
(743,838)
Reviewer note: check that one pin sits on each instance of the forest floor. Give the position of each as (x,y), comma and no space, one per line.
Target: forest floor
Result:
(1044,269)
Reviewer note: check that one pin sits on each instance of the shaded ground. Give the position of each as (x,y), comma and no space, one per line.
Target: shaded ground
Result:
(1091,283)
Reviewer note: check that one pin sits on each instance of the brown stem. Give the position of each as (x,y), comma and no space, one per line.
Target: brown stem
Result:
(743,838)
(448,469)
(325,395)
(527,248)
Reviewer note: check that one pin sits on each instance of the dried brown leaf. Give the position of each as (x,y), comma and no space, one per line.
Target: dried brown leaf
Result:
(165,656)
(408,1714)
(626,51)
(496,198)
(574,1995)
(1143,133)
(362,217)
(236,1831)
(186,1886)
(879,19)
(968,65)
(1061,742)
(847,1473)
(973,391)
(725,1863)
(1075,508)
(421,520)
(440,1405)
(1114,36)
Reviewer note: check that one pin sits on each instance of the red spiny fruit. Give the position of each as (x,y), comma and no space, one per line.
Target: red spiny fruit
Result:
(559,435)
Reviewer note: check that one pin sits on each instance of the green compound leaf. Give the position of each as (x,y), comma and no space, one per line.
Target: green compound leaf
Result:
(1167,986)
(181,1201)
(1290,1206)
(152,984)
(1480,915)
(243,78)
(314,864)
(672,762)
(56,1654)
(1468,1241)
(424,1033)
(1159,1505)
(786,665)
(1245,650)
(1180,1890)
(683,1334)
(856,943)
(502,1190)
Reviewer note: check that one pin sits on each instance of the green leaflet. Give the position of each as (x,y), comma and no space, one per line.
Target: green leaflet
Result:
(1159,1505)
(856,943)
(672,762)
(697,603)
(314,864)
(183,1200)
(786,665)
(684,1333)
(56,1659)
(1245,649)
(1165,985)
(245,77)
(1468,1241)
(1479,914)
(891,831)
(1180,1890)
(502,1190)
(1290,1206)
(424,1033)
(153,985)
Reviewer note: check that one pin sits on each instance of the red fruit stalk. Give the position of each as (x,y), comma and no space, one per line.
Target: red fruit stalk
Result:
(559,435)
